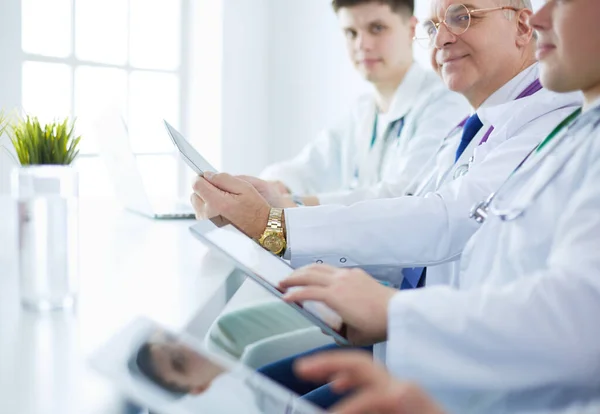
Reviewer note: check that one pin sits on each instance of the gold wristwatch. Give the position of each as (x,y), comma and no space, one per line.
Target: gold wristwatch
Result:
(273,238)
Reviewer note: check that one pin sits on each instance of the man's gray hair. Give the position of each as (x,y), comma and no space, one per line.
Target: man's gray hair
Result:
(519,4)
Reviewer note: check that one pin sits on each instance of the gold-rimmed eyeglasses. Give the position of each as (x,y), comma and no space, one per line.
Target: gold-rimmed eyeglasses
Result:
(457,20)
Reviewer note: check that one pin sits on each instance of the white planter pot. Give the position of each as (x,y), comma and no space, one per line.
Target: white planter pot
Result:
(48,221)
(8,161)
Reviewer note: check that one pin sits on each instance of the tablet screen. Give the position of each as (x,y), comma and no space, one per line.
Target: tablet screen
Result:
(266,269)
(173,374)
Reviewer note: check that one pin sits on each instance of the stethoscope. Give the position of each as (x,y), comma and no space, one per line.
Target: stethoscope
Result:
(464,168)
(461,169)
(398,123)
(483,209)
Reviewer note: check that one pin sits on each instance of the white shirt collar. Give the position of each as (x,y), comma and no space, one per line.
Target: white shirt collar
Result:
(494,108)
(513,88)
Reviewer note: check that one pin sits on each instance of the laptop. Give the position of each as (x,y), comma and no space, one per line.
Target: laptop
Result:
(115,149)
(143,358)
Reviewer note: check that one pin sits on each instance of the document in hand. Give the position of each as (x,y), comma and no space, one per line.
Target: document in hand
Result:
(266,269)
(173,374)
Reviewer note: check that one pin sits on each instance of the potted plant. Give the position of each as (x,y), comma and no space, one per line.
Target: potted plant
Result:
(46,188)
(52,144)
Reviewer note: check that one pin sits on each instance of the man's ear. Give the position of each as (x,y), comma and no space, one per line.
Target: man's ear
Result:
(525,31)
(412,26)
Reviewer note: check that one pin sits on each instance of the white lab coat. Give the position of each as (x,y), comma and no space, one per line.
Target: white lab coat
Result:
(341,159)
(415,231)
(441,168)
(520,125)
(446,169)
(522,331)
(591,407)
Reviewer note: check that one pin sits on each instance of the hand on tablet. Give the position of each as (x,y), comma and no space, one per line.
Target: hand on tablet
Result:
(376,391)
(233,199)
(360,300)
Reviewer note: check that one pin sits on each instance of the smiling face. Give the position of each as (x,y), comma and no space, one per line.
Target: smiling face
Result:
(378,40)
(492,51)
(568,45)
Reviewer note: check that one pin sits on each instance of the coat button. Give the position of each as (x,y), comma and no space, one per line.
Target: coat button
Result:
(343,260)
(319,261)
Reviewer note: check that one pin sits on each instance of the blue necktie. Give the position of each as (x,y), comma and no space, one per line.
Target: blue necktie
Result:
(471,128)
(412,277)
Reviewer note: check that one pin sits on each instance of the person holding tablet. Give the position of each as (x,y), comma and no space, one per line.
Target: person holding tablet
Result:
(494,57)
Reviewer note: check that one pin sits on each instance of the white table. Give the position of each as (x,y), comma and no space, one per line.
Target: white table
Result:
(130,266)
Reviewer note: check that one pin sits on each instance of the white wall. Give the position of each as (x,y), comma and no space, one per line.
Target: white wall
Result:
(245,84)
(205,49)
(230,88)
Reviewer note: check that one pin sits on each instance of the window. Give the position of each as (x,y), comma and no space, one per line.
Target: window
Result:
(83,55)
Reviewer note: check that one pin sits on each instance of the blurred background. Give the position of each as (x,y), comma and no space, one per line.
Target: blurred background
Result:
(248,82)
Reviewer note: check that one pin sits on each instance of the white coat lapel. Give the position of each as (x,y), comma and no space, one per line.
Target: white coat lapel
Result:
(404,98)
(364,135)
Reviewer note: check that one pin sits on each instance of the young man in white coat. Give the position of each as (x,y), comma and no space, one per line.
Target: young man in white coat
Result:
(388,134)
(491,71)
(521,332)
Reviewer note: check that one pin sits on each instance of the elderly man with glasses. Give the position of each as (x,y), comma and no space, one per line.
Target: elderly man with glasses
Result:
(483,50)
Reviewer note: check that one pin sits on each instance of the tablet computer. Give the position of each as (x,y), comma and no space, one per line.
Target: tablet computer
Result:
(266,269)
(191,157)
(172,373)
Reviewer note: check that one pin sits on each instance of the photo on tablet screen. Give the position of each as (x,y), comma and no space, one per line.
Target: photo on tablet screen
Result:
(173,374)
(266,269)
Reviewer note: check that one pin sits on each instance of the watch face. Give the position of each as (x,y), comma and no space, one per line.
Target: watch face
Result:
(273,243)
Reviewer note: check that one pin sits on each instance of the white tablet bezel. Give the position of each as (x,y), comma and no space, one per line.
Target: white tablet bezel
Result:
(190,156)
